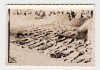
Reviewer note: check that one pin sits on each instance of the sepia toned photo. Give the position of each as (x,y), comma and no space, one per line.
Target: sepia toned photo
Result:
(50,35)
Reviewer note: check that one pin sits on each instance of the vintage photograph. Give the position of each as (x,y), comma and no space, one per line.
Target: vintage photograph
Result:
(50,35)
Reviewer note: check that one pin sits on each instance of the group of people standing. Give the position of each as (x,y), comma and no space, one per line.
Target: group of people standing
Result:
(22,12)
(83,14)
(42,14)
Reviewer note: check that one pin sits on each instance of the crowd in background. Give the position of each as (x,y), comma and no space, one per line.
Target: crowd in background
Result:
(41,14)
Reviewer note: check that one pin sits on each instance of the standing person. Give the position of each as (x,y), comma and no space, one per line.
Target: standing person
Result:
(17,12)
(58,12)
(25,13)
(91,13)
(69,15)
(73,14)
(62,12)
(50,13)
(88,14)
(82,14)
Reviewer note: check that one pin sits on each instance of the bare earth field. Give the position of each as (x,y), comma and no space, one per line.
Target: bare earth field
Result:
(53,39)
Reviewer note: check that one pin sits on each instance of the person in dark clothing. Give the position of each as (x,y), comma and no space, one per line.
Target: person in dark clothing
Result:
(69,16)
(62,12)
(25,13)
(36,12)
(82,15)
(17,12)
(91,13)
(43,15)
(73,14)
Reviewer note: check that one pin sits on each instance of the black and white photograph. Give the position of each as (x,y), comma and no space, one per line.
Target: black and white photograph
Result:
(50,35)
